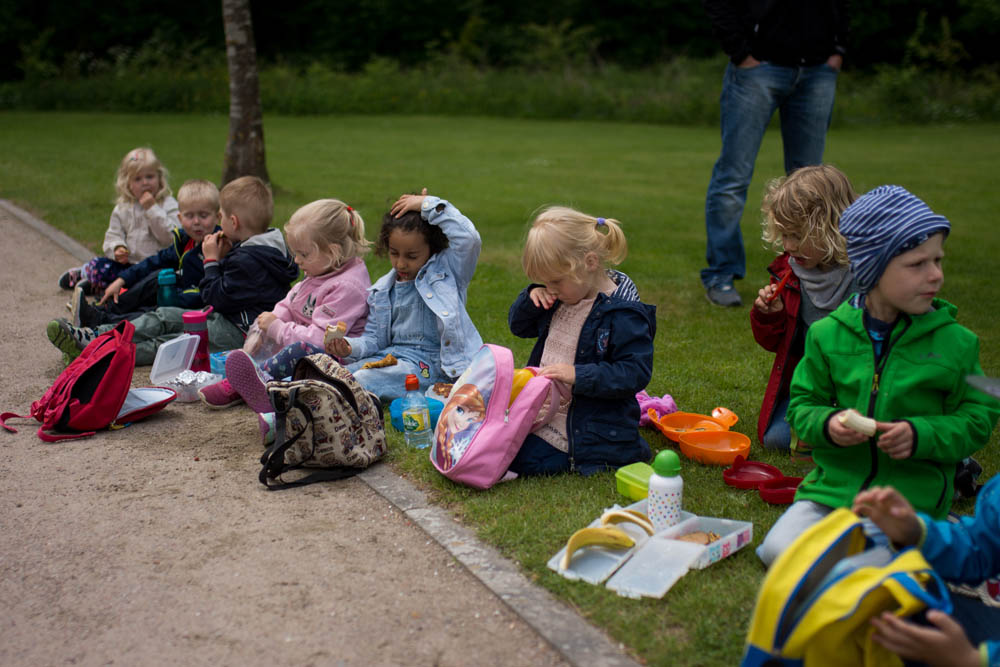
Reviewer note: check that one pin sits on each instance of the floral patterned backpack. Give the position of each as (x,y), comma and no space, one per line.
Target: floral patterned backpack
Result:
(323,420)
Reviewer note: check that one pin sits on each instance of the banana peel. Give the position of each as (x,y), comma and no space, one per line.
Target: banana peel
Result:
(629,516)
(611,537)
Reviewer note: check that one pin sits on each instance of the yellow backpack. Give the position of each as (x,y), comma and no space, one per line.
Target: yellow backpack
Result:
(815,603)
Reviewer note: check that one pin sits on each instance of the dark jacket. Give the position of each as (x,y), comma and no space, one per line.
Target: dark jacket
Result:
(776,332)
(614,362)
(189,264)
(784,32)
(256,274)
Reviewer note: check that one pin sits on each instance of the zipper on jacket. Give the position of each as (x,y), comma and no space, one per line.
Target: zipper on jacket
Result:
(569,437)
(873,395)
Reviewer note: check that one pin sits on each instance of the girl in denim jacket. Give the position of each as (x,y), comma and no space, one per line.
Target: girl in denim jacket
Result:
(416,311)
(593,334)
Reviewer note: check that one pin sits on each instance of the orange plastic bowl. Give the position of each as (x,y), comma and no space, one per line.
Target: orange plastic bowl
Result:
(676,423)
(714,447)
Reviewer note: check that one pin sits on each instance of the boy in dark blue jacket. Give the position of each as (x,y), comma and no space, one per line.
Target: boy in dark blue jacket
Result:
(199,212)
(247,270)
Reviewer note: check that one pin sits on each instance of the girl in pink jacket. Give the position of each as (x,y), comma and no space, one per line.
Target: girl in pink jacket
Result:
(328,240)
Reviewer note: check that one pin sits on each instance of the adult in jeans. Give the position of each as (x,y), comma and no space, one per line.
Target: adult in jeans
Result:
(785,55)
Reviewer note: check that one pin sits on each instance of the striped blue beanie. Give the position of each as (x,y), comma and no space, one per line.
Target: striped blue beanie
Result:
(884,223)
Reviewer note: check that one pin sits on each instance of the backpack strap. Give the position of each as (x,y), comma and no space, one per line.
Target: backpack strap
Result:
(10,415)
(49,437)
(273,460)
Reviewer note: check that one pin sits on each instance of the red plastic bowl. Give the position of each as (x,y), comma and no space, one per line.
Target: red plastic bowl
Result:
(779,491)
(749,474)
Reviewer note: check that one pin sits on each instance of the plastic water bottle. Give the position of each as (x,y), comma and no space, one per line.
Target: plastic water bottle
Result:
(665,490)
(416,416)
(166,291)
(196,322)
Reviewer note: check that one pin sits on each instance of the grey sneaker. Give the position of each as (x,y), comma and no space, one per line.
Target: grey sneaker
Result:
(723,295)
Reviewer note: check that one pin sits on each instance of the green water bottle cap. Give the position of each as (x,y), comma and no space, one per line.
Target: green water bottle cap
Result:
(667,464)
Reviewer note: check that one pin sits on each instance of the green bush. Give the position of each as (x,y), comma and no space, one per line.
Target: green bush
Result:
(683,91)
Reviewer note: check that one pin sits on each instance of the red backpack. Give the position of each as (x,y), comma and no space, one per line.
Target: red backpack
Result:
(89,394)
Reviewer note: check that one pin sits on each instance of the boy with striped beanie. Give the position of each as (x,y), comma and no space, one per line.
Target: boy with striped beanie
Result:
(894,353)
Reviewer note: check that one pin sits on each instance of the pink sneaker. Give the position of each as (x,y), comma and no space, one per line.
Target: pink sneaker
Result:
(248,381)
(219,395)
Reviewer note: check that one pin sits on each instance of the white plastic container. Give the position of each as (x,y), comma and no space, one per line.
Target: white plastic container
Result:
(666,489)
(175,357)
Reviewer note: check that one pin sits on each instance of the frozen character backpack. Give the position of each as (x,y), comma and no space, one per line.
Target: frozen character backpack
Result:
(487,415)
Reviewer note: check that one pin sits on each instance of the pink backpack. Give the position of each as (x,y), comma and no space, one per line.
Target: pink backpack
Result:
(480,429)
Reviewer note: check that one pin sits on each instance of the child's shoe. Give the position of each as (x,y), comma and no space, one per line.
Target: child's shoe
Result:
(70,278)
(243,374)
(76,304)
(219,395)
(266,424)
(68,338)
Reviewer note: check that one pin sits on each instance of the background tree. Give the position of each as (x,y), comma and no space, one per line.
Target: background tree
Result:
(245,146)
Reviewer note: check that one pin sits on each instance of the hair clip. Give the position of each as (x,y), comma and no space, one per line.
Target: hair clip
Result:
(350,215)
(601,222)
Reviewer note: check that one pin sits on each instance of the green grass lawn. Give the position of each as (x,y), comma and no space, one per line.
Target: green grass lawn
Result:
(653,179)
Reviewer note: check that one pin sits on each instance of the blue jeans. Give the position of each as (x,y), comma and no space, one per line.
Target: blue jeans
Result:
(389,383)
(778,434)
(804,98)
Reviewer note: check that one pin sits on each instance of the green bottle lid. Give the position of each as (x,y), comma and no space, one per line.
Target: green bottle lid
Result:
(667,464)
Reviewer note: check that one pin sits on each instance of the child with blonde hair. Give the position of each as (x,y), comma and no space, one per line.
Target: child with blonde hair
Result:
(327,238)
(593,334)
(141,224)
(809,279)
(895,353)
(247,270)
(417,322)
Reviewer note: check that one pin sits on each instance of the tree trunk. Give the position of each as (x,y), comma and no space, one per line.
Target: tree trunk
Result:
(245,145)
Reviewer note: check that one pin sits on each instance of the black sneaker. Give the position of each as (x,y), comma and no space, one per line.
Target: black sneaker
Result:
(70,278)
(723,295)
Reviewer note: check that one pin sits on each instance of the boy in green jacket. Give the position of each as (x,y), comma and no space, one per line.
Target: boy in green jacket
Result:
(894,353)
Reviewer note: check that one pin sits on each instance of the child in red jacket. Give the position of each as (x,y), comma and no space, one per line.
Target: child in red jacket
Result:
(810,278)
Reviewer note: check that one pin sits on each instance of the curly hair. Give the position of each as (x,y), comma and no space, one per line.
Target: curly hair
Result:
(135,161)
(807,204)
(409,222)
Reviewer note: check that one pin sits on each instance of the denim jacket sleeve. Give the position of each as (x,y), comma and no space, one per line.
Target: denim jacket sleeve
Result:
(464,242)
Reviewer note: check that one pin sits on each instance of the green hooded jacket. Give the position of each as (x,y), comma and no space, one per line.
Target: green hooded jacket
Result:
(921,381)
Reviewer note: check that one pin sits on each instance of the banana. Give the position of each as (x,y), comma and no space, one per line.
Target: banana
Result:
(631,516)
(853,419)
(600,536)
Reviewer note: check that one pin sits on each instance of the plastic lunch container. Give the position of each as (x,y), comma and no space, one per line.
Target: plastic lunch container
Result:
(173,358)
(632,480)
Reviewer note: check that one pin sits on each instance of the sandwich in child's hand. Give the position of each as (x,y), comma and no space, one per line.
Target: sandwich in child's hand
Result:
(334,332)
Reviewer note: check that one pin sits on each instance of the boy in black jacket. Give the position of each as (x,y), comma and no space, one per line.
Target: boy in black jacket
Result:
(199,212)
(247,271)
